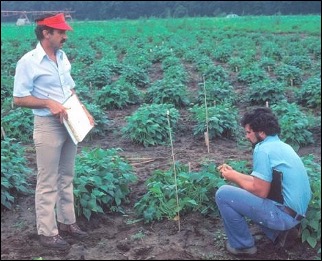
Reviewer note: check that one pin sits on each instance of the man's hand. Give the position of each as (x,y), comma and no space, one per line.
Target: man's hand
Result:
(223,169)
(58,110)
(89,116)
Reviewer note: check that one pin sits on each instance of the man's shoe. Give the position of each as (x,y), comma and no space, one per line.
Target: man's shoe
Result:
(56,242)
(242,251)
(73,230)
(257,233)
(281,239)
(287,236)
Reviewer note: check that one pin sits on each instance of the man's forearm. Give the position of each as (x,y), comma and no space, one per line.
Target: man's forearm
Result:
(31,102)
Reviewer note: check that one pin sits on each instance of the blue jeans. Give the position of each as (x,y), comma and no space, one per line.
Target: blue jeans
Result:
(236,204)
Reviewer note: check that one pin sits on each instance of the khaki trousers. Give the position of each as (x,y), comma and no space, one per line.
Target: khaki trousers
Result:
(56,154)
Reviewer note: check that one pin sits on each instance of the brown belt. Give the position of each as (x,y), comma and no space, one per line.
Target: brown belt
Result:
(293,214)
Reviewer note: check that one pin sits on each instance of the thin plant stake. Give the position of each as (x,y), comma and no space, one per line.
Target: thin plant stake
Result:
(174,168)
(91,88)
(3,134)
(207,132)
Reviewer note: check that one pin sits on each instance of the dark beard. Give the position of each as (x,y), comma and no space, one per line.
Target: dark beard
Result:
(259,139)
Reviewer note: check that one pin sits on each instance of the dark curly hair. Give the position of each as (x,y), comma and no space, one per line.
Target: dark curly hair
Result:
(262,119)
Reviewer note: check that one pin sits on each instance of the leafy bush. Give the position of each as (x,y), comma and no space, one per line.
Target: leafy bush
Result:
(242,166)
(159,53)
(117,95)
(194,191)
(215,74)
(260,92)
(291,75)
(223,53)
(177,74)
(6,87)
(149,124)
(311,224)
(135,76)
(267,63)
(203,63)
(299,61)
(14,172)
(252,75)
(20,129)
(222,120)
(167,91)
(309,94)
(98,75)
(272,50)
(235,63)
(294,124)
(216,92)
(102,181)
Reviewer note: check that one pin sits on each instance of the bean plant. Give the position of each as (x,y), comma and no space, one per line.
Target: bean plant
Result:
(195,193)
(148,125)
(102,181)
(15,172)
(311,224)
(222,120)
(294,124)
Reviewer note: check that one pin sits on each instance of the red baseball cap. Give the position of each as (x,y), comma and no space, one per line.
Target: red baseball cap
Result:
(57,22)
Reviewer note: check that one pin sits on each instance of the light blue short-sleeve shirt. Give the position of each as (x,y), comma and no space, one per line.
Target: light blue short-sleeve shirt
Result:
(272,153)
(39,76)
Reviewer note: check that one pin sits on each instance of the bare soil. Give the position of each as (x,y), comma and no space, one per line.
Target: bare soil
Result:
(116,236)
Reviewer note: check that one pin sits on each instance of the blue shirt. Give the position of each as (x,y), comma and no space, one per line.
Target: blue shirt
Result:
(39,76)
(272,153)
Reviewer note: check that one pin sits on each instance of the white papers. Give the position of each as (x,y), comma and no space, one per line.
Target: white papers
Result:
(78,124)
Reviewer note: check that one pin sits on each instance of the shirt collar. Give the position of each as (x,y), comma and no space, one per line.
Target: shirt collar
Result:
(269,139)
(40,53)
(272,138)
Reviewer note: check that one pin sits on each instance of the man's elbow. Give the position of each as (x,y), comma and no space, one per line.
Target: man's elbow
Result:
(262,192)
(17,101)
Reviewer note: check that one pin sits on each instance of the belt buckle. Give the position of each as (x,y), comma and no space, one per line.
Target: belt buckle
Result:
(298,217)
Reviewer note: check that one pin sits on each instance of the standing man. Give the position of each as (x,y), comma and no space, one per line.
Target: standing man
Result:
(276,202)
(43,82)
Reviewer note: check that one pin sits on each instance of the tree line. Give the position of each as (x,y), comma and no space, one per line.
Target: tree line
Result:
(106,10)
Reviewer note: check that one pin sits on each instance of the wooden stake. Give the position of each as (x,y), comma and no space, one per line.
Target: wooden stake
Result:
(207,132)
(142,162)
(135,159)
(174,171)
(207,140)
(3,134)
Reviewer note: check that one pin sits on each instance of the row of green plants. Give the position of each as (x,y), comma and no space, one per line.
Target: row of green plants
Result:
(272,68)
(212,68)
(104,179)
(148,126)
(253,57)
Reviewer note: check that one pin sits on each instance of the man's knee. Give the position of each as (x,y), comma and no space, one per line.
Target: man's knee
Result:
(222,193)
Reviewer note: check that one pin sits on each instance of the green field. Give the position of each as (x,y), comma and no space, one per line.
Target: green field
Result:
(205,71)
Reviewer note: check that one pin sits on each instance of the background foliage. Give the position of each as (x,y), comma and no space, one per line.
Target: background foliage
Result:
(102,10)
